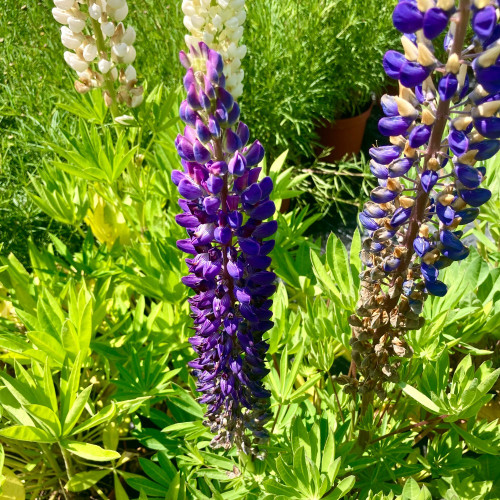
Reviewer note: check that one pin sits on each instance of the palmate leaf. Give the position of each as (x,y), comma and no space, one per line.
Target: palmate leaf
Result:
(103,416)
(335,278)
(46,418)
(94,154)
(313,468)
(91,106)
(76,410)
(467,392)
(61,196)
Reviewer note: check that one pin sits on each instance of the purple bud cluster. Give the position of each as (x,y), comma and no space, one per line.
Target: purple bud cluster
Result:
(225,207)
(443,123)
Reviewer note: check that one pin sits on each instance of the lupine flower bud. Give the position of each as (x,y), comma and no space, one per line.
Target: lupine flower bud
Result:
(220,26)
(224,209)
(436,135)
(100,57)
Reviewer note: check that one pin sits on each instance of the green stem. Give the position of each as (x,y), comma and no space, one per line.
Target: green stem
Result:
(364,436)
(433,422)
(337,398)
(67,462)
(276,419)
(50,458)
(247,462)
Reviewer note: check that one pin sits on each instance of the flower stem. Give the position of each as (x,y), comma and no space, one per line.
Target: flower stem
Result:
(438,128)
(432,421)
(109,85)
(67,462)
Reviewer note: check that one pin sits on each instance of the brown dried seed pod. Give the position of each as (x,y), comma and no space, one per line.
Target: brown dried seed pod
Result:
(355,321)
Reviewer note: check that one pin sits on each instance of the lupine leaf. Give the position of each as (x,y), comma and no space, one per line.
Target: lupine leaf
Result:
(49,387)
(410,490)
(46,418)
(419,397)
(70,382)
(342,488)
(328,454)
(338,261)
(324,277)
(286,473)
(90,451)
(25,433)
(48,344)
(76,410)
(84,480)
(120,493)
(304,387)
(475,442)
(147,486)
(288,376)
(13,407)
(155,472)
(300,469)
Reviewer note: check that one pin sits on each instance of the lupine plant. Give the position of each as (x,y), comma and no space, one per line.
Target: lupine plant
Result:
(442,124)
(101,393)
(224,207)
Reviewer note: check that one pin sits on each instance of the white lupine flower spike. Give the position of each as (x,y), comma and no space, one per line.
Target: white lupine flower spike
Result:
(220,26)
(100,49)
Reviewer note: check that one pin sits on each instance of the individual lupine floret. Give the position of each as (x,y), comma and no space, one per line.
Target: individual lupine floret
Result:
(100,48)
(220,25)
(429,178)
(225,207)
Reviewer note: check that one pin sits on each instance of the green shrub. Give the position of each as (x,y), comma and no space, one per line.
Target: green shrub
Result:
(311,60)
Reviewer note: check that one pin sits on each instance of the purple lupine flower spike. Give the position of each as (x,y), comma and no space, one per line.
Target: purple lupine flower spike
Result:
(429,177)
(225,207)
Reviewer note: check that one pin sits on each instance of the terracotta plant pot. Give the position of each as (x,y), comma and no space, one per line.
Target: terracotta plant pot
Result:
(344,135)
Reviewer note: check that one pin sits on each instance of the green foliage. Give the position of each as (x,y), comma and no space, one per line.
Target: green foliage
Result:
(309,469)
(96,395)
(302,53)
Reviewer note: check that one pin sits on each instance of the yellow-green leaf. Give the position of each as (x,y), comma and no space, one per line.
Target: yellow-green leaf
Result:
(90,451)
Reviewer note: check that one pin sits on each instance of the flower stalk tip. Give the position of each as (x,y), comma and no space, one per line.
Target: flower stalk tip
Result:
(100,49)
(219,24)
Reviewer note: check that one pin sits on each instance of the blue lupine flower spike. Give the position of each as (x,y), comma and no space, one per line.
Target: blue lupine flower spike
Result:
(439,127)
(225,208)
